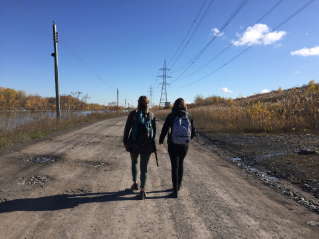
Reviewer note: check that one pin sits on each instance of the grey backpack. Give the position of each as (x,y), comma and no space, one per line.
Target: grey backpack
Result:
(181,130)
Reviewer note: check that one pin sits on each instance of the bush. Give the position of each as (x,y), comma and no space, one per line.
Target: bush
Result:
(279,90)
(312,85)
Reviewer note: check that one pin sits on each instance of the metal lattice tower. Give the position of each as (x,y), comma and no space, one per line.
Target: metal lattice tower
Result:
(163,98)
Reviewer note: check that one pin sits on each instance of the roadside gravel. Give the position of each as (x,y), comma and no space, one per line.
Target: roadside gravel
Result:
(286,162)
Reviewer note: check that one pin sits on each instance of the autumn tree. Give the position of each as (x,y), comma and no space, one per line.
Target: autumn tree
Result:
(199,99)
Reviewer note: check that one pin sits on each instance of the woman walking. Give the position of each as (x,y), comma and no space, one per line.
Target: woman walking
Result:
(140,141)
(182,130)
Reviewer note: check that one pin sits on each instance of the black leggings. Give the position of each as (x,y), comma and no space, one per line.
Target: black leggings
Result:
(177,153)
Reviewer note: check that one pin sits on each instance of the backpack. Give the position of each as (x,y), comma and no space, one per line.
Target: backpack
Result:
(142,130)
(181,130)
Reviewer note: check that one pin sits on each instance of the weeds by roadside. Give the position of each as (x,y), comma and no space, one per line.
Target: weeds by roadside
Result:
(44,125)
(282,111)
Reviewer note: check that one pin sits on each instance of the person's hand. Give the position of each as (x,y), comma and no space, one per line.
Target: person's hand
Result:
(161,145)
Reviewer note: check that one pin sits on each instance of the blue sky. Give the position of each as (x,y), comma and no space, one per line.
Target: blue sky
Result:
(105,45)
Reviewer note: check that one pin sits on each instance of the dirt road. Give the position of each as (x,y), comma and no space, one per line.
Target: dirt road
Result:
(82,191)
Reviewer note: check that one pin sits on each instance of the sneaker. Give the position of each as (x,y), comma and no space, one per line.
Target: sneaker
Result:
(143,194)
(134,186)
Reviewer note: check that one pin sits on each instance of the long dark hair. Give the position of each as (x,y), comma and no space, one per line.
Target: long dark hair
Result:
(180,102)
(143,103)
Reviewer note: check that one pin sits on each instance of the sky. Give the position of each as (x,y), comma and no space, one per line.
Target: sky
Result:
(105,45)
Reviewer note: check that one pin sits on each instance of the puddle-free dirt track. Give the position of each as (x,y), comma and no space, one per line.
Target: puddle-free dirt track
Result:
(85,193)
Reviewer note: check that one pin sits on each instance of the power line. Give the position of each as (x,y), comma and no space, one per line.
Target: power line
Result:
(200,10)
(221,29)
(35,22)
(81,50)
(254,44)
(193,33)
(80,59)
(241,5)
(270,10)
(266,14)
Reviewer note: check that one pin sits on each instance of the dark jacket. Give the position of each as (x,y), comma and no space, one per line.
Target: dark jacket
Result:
(135,146)
(176,111)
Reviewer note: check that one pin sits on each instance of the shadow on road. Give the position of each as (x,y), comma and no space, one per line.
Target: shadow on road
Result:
(65,201)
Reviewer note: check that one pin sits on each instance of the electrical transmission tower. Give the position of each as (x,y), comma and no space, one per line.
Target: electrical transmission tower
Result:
(164,83)
(151,96)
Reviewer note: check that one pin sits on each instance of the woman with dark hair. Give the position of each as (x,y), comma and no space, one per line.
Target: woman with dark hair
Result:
(182,130)
(140,141)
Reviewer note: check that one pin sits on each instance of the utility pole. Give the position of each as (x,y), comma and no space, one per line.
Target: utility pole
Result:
(117,100)
(151,96)
(163,92)
(55,55)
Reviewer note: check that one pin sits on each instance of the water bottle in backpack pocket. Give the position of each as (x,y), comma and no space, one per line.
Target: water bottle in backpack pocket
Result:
(142,130)
(181,130)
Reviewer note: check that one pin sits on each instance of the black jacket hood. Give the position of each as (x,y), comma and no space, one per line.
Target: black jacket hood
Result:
(179,111)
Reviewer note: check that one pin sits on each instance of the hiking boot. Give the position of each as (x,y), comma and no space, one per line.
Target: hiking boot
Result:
(175,194)
(143,194)
(134,186)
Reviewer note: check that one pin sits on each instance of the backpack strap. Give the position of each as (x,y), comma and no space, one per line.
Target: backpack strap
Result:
(171,120)
(134,117)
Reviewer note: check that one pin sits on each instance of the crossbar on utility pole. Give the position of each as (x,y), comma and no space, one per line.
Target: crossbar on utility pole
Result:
(55,55)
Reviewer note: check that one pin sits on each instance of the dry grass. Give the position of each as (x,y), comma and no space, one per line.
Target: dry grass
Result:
(292,110)
(44,125)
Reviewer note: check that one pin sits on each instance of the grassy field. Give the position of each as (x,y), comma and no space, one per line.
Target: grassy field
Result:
(36,129)
(282,111)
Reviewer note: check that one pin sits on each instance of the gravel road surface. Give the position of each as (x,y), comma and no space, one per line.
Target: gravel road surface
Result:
(76,184)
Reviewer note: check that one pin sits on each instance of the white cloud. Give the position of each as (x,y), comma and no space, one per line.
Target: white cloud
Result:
(297,72)
(256,32)
(278,45)
(307,51)
(264,91)
(215,32)
(274,36)
(226,90)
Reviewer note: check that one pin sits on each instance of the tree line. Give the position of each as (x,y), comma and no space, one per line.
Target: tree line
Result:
(11,99)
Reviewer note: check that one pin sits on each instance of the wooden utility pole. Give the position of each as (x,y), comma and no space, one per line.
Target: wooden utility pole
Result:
(117,100)
(55,55)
